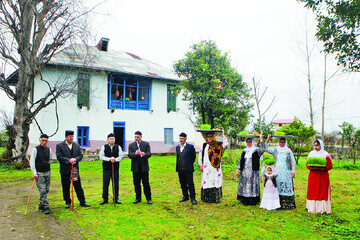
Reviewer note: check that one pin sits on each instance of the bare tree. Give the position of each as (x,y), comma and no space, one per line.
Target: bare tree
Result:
(259,95)
(31,32)
(326,81)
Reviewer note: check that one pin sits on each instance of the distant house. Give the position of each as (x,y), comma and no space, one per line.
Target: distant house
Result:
(117,92)
(279,123)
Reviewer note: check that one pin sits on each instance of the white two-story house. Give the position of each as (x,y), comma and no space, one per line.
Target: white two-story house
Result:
(117,92)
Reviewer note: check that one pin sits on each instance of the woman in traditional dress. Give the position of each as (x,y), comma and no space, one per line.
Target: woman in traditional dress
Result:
(318,194)
(210,164)
(285,165)
(248,191)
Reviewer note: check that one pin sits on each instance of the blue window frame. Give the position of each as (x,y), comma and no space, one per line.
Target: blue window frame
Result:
(128,92)
(119,131)
(83,136)
(168,136)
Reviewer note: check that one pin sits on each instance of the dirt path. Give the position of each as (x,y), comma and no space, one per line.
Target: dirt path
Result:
(35,225)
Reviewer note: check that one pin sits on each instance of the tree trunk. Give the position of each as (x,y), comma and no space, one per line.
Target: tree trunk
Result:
(311,113)
(323,103)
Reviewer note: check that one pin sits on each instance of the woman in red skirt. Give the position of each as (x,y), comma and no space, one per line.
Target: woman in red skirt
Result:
(318,195)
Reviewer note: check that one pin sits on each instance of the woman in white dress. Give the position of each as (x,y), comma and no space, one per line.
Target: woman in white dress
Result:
(210,164)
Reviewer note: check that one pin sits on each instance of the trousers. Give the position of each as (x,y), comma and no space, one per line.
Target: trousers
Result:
(187,184)
(66,182)
(43,185)
(107,175)
(143,177)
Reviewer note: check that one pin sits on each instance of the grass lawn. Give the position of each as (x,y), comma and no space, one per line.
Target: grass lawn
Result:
(167,218)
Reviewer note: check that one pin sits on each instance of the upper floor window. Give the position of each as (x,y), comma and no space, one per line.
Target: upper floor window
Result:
(171,98)
(83,136)
(83,92)
(129,93)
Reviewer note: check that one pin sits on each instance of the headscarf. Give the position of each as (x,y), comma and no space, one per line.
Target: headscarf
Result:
(215,152)
(252,148)
(282,149)
(272,173)
(321,153)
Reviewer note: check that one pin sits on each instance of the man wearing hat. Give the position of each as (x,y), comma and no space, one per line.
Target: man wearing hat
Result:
(111,155)
(185,158)
(40,167)
(69,154)
(139,152)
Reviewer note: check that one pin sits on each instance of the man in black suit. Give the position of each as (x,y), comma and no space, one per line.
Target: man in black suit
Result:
(139,152)
(185,158)
(69,154)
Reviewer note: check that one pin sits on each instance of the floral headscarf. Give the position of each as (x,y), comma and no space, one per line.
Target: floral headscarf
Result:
(215,152)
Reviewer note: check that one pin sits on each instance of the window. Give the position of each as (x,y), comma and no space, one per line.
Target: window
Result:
(168,136)
(83,136)
(171,98)
(129,93)
(83,96)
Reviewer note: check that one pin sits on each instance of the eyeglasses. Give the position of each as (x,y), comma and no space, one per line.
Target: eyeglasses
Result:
(281,142)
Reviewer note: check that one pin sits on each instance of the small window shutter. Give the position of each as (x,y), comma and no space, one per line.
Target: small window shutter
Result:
(83,97)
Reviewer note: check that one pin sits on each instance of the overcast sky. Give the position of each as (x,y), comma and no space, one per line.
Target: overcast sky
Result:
(262,37)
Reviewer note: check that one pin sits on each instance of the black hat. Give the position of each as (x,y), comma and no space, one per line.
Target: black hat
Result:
(44,136)
(182,134)
(111,135)
(69,132)
(138,133)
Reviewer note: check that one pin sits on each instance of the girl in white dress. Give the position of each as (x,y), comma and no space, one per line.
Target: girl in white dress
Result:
(270,199)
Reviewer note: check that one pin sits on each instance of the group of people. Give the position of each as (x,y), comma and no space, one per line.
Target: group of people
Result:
(278,191)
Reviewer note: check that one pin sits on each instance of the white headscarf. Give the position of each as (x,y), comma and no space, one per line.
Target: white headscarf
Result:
(252,148)
(282,149)
(274,172)
(320,154)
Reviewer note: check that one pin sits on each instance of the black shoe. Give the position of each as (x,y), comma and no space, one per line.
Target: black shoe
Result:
(137,201)
(117,201)
(67,205)
(193,201)
(47,210)
(84,204)
(103,202)
(150,201)
(41,207)
(184,199)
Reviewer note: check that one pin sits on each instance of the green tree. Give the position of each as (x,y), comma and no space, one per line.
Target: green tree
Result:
(214,89)
(266,129)
(338,28)
(299,129)
(351,137)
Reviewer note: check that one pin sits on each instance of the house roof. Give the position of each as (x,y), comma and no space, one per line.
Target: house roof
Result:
(87,57)
(282,121)
(112,61)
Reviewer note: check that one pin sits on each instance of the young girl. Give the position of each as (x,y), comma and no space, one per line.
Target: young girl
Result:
(270,199)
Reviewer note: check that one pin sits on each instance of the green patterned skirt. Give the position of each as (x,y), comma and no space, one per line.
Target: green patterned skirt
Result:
(211,195)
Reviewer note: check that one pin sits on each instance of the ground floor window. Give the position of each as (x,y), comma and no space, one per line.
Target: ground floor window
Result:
(83,136)
(168,136)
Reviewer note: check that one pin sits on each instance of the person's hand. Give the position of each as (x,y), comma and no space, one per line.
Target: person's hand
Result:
(268,138)
(293,174)
(223,133)
(237,172)
(36,176)
(142,154)
(137,152)
(201,168)
(261,138)
(72,160)
(112,159)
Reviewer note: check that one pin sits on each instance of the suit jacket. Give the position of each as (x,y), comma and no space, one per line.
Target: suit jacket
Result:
(63,155)
(190,157)
(137,160)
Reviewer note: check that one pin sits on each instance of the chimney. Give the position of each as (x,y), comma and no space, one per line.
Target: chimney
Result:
(103,44)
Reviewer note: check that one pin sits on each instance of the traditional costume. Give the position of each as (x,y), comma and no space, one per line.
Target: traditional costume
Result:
(270,198)
(318,198)
(211,181)
(248,191)
(285,165)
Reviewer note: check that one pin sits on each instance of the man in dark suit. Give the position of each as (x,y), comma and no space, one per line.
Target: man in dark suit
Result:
(185,158)
(139,152)
(69,154)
